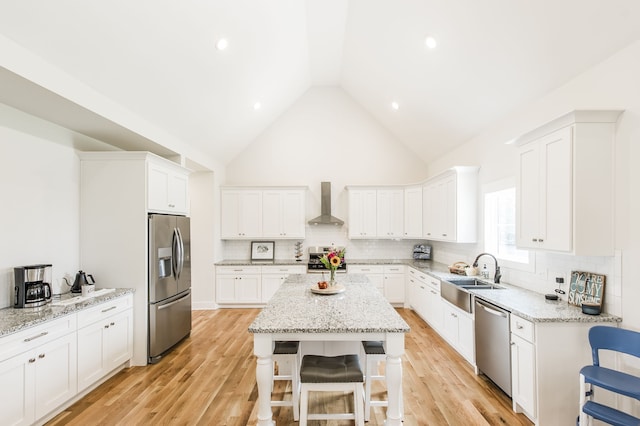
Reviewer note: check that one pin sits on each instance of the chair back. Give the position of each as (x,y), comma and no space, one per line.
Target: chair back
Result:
(614,339)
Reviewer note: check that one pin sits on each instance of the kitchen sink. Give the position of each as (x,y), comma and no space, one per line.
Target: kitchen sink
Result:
(455,291)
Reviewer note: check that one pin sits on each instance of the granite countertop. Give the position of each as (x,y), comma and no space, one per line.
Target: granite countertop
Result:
(13,320)
(359,309)
(519,301)
(247,262)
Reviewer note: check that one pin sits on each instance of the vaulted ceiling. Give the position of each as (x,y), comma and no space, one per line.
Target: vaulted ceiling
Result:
(158,58)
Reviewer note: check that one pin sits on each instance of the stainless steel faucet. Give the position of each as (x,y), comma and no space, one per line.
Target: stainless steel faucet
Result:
(496,278)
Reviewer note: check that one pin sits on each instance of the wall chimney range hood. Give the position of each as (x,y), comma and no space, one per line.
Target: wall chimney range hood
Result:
(325,217)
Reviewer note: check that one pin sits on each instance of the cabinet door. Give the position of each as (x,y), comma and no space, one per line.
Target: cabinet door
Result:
(270,284)
(362,214)
(55,374)
(448,221)
(523,381)
(413,212)
(528,197)
(119,345)
(179,192)
(167,190)
(466,337)
(241,214)
(17,390)
(390,213)
(556,204)
(225,289)
(429,224)
(248,289)
(433,308)
(91,359)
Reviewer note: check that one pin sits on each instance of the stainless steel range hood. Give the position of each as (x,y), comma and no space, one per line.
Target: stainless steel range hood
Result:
(325,217)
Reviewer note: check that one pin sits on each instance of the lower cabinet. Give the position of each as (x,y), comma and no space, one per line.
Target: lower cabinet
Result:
(35,382)
(274,276)
(105,342)
(238,285)
(425,298)
(458,330)
(43,368)
(388,279)
(546,358)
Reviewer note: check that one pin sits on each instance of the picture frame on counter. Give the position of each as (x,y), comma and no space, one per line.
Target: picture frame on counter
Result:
(263,250)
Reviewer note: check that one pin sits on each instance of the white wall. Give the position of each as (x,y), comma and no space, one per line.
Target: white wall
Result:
(39,186)
(612,84)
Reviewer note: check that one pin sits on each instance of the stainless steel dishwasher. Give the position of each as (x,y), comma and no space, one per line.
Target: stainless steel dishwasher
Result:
(493,343)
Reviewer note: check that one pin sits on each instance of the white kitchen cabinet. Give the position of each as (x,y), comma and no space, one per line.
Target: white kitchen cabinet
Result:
(546,358)
(434,305)
(114,227)
(105,339)
(458,330)
(394,283)
(241,214)
(375,274)
(417,292)
(523,366)
(450,206)
(363,218)
(565,185)
(37,371)
(388,279)
(238,285)
(167,187)
(390,213)
(283,213)
(274,276)
(413,212)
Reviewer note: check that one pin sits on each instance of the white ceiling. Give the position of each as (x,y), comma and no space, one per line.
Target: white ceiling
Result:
(156,58)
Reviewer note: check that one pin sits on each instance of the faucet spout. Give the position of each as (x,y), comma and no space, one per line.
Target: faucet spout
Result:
(498,274)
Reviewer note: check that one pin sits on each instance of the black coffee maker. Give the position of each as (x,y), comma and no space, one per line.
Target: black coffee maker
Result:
(32,286)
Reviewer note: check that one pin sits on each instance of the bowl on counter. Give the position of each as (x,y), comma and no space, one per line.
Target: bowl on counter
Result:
(591,308)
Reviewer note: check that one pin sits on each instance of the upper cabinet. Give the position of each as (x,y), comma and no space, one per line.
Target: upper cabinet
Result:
(248,213)
(565,185)
(413,212)
(167,187)
(450,206)
(376,213)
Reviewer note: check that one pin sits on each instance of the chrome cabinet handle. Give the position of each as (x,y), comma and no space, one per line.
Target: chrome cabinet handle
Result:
(41,356)
(109,309)
(44,333)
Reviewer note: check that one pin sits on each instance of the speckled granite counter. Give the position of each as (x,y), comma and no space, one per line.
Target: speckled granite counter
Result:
(15,320)
(359,309)
(276,262)
(525,303)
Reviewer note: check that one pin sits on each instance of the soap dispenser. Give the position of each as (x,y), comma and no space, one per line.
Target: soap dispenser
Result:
(485,272)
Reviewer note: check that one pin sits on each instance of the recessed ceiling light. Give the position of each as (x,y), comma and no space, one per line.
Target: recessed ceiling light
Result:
(257,106)
(395,106)
(222,44)
(430,42)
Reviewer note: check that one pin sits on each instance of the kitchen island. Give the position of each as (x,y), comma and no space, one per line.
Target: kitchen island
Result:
(359,313)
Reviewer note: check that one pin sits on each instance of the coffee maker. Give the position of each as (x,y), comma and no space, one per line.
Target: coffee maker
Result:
(32,286)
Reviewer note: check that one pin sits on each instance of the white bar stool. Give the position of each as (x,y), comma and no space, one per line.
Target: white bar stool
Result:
(287,356)
(374,354)
(331,374)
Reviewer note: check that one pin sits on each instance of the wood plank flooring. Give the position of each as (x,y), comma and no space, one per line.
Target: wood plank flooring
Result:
(210,380)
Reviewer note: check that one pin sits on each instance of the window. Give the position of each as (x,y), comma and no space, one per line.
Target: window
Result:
(500,226)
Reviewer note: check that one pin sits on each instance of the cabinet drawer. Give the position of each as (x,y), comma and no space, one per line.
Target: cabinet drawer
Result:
(365,269)
(235,270)
(394,269)
(284,269)
(523,328)
(32,337)
(103,310)
(434,283)
(420,276)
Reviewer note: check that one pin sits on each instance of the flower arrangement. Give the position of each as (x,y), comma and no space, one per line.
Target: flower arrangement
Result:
(331,261)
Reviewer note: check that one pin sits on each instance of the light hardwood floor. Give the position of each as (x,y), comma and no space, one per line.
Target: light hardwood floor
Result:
(210,380)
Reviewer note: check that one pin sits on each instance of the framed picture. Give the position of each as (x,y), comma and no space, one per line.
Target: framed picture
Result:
(586,287)
(262,250)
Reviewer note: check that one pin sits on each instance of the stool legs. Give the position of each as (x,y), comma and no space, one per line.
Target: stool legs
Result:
(358,397)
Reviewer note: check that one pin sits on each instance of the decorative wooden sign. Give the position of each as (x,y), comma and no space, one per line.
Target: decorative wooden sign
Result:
(586,287)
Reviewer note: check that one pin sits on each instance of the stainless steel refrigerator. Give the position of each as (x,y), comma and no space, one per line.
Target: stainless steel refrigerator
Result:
(169,283)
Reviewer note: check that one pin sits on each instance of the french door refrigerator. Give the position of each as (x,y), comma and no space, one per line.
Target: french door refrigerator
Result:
(169,283)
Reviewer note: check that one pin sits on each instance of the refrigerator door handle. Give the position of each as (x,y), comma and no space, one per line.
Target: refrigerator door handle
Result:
(181,252)
(175,253)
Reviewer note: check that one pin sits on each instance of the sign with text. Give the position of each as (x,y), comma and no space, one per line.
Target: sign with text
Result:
(586,287)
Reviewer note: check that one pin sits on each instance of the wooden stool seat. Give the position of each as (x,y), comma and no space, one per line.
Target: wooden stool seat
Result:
(326,374)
